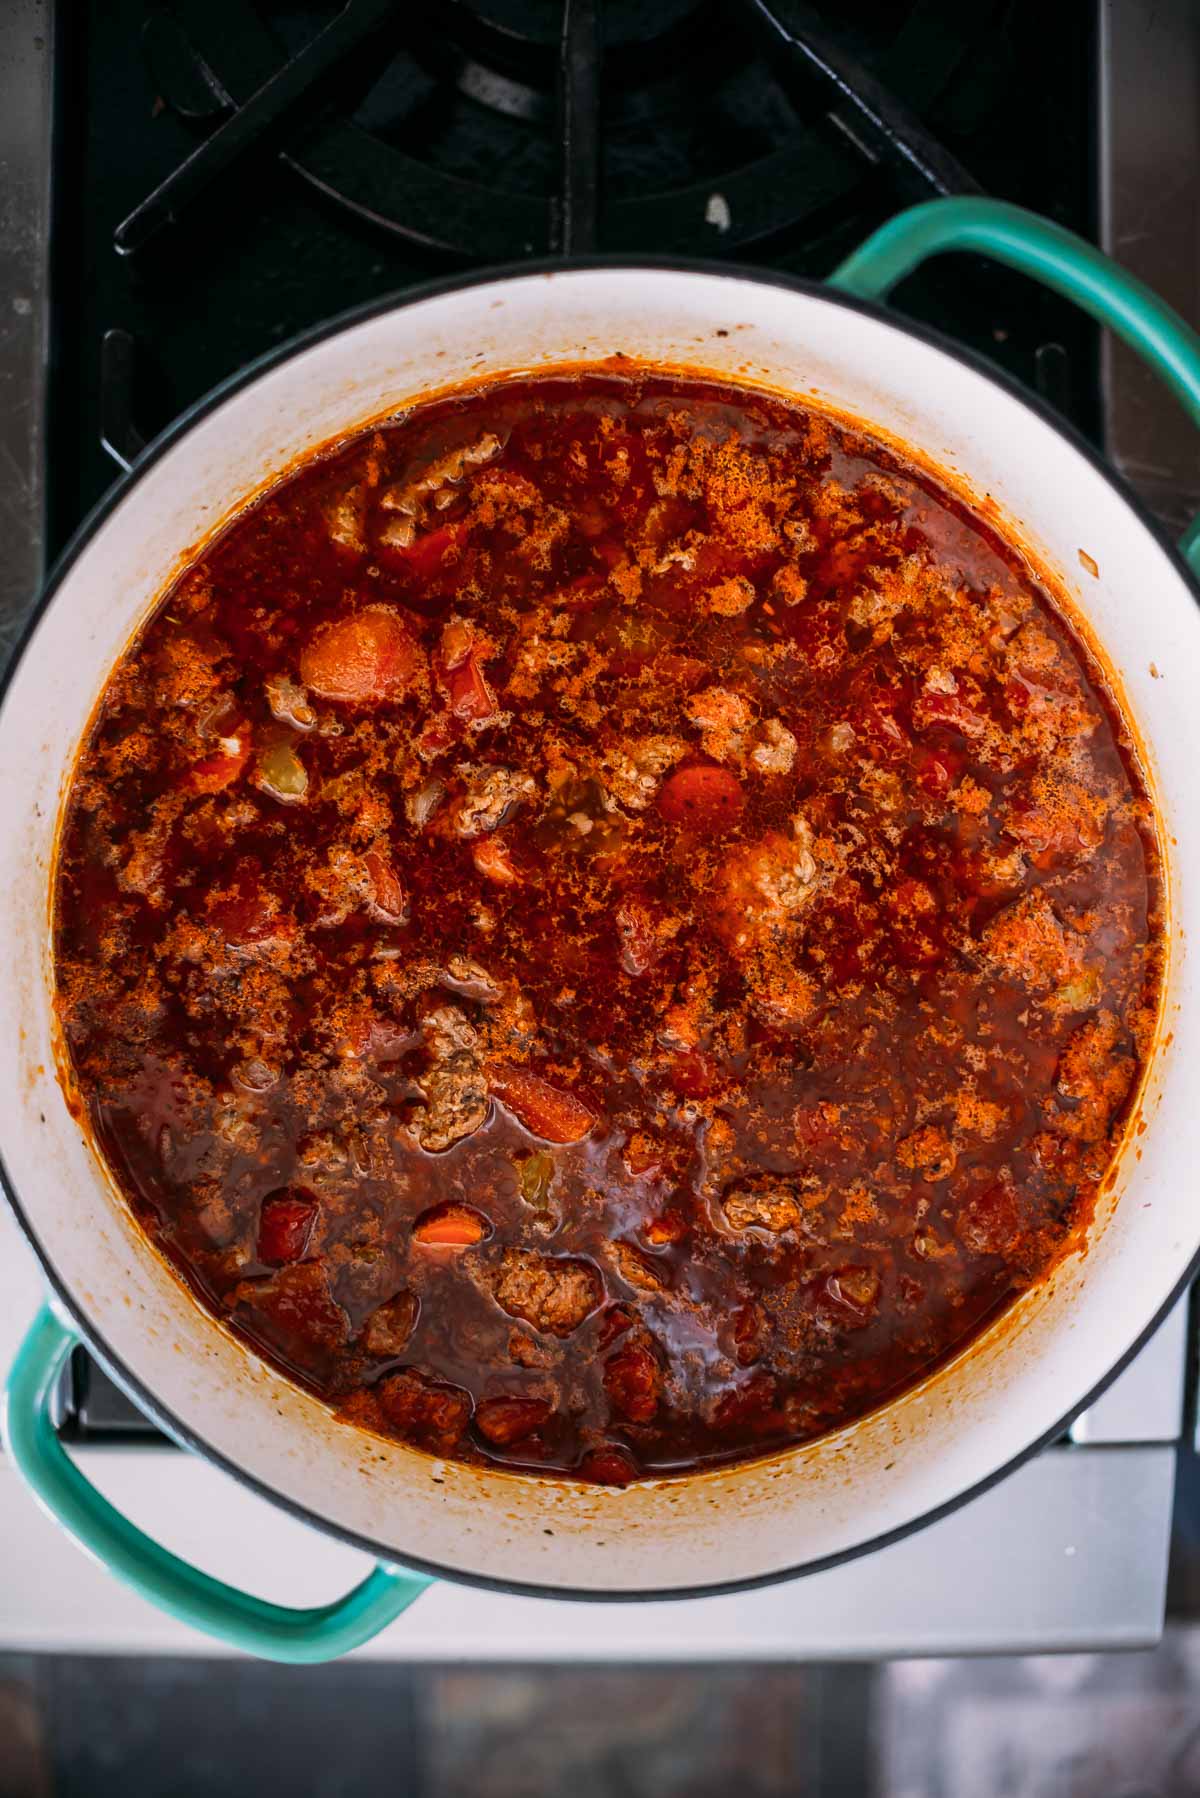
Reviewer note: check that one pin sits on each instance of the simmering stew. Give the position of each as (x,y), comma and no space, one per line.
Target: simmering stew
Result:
(606,924)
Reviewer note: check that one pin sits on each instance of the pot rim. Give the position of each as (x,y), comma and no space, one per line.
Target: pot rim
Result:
(131,1382)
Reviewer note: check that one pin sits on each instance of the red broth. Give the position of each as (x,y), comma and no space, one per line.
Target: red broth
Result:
(607,925)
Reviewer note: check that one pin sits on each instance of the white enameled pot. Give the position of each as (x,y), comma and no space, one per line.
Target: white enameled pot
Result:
(943,1439)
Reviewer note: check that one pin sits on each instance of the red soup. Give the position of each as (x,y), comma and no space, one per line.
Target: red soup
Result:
(607,925)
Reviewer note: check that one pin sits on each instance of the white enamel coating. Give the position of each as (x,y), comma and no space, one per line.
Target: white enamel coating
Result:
(939,1440)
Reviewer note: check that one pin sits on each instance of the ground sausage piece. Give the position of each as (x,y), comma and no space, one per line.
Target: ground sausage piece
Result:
(454,1087)
(989,1223)
(346,519)
(637,1269)
(1027,942)
(1094,1075)
(297,1314)
(633,772)
(775,750)
(424,1411)
(390,1326)
(553,1293)
(504,1421)
(928,1151)
(723,717)
(765,888)
(491,798)
(762,1208)
(633,1381)
(608,1466)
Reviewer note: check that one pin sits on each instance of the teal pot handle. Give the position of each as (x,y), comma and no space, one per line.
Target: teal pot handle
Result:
(271,1631)
(1056,258)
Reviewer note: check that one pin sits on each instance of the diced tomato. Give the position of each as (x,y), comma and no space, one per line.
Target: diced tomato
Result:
(609,551)
(949,709)
(471,698)
(458,640)
(369,657)
(938,769)
(608,1466)
(546,1110)
(285,1224)
(506,1420)
(493,861)
(249,914)
(642,1154)
(242,920)
(460,675)
(614,1321)
(702,796)
(584,590)
(816,1125)
(695,1075)
(213,773)
(990,1223)
(297,1314)
(427,553)
(855,1288)
(436,734)
(670,1226)
(633,1382)
(451,1226)
(387,895)
(423,1410)
(745,1404)
(747,1327)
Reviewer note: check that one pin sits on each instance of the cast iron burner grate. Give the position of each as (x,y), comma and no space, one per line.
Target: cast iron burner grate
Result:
(638,136)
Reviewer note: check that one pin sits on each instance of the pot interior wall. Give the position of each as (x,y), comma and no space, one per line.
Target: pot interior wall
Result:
(941,1438)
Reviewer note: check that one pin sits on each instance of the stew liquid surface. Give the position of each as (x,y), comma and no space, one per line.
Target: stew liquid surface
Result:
(607,925)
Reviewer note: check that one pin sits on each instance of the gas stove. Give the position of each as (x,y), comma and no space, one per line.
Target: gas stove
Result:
(188,185)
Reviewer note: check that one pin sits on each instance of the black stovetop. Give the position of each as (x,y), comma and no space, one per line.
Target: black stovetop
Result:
(464,134)
(427,136)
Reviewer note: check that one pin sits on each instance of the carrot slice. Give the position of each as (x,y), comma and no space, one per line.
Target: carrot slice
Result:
(451,1226)
(369,657)
(702,797)
(213,773)
(544,1109)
